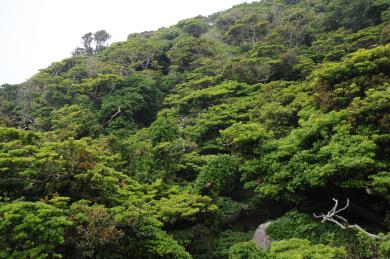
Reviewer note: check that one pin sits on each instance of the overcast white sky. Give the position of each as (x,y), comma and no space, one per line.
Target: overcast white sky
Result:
(35,33)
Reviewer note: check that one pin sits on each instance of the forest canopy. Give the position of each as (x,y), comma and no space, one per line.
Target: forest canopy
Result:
(180,142)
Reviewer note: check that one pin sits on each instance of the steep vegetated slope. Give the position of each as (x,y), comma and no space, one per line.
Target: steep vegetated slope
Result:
(178,143)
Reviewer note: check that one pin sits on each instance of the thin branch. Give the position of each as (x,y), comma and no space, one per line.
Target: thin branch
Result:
(113,116)
(332,214)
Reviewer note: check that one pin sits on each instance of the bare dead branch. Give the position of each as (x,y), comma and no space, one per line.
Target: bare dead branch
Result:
(113,116)
(341,221)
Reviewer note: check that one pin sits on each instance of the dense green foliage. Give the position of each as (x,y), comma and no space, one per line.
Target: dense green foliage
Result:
(301,248)
(178,143)
(249,250)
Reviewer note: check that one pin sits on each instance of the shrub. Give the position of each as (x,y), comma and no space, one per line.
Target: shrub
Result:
(220,174)
(246,250)
(302,248)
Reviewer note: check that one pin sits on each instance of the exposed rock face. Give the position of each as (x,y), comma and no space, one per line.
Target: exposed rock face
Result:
(261,238)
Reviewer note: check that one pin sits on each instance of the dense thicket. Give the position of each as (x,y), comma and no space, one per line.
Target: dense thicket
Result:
(178,143)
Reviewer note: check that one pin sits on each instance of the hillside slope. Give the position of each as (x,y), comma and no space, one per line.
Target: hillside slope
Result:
(178,143)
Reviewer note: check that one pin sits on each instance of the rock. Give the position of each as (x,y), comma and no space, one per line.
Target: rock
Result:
(261,238)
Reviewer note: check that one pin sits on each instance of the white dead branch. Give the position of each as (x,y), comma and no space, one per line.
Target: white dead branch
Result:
(341,221)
